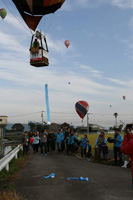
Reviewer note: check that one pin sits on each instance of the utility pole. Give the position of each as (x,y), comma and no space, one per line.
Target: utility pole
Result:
(88,123)
(42,116)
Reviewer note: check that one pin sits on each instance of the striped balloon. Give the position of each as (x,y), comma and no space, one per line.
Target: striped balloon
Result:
(82,108)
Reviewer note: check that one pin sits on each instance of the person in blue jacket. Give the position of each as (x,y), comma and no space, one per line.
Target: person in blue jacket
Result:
(62,140)
(36,142)
(70,144)
(58,140)
(88,150)
(117,146)
(83,145)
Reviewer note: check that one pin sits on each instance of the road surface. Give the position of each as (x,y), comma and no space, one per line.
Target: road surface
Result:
(105,182)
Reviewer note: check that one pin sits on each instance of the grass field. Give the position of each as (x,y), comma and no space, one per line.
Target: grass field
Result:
(92,138)
(15,165)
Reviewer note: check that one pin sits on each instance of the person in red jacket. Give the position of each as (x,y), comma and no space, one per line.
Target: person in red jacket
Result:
(127,145)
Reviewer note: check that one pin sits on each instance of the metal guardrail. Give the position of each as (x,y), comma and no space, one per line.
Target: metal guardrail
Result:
(4,162)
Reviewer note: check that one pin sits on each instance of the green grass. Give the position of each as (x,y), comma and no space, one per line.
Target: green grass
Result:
(14,166)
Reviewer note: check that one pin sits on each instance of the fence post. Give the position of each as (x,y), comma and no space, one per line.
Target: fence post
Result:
(16,156)
(7,167)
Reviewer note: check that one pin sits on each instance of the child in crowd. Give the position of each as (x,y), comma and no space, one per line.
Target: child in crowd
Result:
(88,150)
(58,140)
(25,142)
(36,142)
(83,145)
(69,143)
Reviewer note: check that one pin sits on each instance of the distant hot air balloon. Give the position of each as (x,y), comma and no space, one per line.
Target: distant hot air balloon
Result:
(67,43)
(124,97)
(3,13)
(110,106)
(82,108)
(68,82)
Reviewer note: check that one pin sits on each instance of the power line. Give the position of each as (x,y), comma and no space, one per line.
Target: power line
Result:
(26,114)
(29,30)
(69,113)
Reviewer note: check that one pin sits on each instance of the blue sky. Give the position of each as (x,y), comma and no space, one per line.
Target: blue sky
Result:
(98,63)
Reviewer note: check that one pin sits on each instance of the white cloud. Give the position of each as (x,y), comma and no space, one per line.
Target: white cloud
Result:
(10,42)
(94,72)
(56,45)
(83,2)
(16,22)
(119,82)
(123,3)
(71,5)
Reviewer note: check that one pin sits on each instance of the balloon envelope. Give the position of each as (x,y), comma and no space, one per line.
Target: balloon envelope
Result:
(67,43)
(3,13)
(82,108)
(32,11)
(124,97)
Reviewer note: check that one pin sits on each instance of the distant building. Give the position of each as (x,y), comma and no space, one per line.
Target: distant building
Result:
(93,128)
(54,126)
(3,123)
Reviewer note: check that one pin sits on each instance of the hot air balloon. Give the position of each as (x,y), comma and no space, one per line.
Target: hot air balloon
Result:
(32,12)
(124,97)
(67,43)
(3,13)
(82,108)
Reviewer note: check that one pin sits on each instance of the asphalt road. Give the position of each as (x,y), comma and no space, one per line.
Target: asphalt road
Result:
(105,182)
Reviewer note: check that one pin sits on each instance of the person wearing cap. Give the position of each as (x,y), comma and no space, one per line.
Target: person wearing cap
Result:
(117,146)
(35,43)
(101,143)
